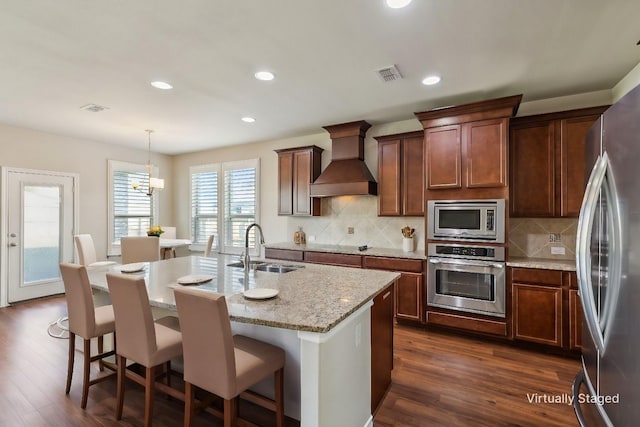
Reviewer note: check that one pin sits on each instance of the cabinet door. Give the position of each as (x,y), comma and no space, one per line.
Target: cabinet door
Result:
(575,320)
(409,297)
(285,189)
(389,197)
(573,133)
(381,345)
(537,314)
(486,153)
(443,156)
(532,170)
(413,176)
(302,202)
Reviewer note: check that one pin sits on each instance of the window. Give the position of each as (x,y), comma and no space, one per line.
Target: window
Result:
(224,201)
(131,211)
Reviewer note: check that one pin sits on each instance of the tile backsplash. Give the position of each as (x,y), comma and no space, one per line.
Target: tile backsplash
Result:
(531,237)
(339,214)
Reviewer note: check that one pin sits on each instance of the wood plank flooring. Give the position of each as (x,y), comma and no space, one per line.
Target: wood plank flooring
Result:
(439,380)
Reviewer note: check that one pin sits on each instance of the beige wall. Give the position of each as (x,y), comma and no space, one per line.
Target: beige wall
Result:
(30,149)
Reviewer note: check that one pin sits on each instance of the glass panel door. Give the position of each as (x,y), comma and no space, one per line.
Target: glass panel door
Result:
(40,218)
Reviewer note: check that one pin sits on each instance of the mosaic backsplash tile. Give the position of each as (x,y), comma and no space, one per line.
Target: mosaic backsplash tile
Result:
(360,213)
(530,237)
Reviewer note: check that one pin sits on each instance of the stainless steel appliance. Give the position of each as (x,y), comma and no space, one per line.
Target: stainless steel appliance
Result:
(466,278)
(607,390)
(471,220)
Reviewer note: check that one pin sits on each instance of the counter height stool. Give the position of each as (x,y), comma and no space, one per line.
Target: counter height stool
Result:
(139,249)
(220,363)
(208,248)
(142,340)
(87,322)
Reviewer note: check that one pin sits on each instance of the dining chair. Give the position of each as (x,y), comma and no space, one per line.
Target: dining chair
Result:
(169,232)
(87,322)
(87,251)
(142,340)
(220,363)
(139,249)
(207,249)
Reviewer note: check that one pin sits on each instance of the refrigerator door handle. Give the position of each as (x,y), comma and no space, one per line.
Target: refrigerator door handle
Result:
(583,258)
(575,391)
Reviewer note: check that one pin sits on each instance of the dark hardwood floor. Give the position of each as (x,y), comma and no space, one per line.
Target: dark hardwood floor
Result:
(438,379)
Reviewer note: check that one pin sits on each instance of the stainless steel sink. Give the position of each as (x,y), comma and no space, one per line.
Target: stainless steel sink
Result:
(240,264)
(278,268)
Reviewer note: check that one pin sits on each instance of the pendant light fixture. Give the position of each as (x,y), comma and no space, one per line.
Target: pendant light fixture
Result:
(153,183)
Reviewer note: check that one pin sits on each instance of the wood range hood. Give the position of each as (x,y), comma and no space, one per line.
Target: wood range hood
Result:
(347,173)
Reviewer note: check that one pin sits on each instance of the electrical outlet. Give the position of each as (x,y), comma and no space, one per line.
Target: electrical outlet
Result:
(557,250)
(311,238)
(350,230)
(554,237)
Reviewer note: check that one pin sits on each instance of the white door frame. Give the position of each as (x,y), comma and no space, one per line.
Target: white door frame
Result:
(4,196)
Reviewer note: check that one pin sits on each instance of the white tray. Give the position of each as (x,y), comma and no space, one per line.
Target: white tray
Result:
(195,279)
(260,293)
(132,268)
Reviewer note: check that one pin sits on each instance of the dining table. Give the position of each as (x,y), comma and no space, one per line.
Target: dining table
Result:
(319,314)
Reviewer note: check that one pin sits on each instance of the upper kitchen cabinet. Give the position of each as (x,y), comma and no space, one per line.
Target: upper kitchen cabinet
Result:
(401,174)
(547,162)
(297,169)
(466,148)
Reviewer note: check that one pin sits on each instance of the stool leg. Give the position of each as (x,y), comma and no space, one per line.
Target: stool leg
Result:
(100,351)
(72,353)
(87,371)
(231,412)
(149,392)
(121,362)
(279,397)
(188,404)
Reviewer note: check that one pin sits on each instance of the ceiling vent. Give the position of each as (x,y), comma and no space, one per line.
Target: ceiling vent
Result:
(389,74)
(94,108)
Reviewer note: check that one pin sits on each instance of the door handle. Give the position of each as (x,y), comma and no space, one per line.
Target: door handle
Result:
(13,244)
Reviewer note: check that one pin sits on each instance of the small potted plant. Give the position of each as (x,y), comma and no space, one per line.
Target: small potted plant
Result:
(155,230)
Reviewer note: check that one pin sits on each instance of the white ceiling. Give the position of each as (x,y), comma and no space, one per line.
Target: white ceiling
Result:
(56,56)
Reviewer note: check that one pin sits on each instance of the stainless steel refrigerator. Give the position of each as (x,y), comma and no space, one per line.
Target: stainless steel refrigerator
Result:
(607,390)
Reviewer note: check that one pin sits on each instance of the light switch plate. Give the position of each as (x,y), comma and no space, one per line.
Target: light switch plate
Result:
(557,250)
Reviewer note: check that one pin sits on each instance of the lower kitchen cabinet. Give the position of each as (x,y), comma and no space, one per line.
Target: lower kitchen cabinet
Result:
(408,289)
(381,345)
(546,307)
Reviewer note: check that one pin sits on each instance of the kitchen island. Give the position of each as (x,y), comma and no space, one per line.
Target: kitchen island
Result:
(321,317)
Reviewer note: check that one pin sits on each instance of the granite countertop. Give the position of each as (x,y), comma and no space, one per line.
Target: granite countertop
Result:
(315,298)
(542,263)
(351,250)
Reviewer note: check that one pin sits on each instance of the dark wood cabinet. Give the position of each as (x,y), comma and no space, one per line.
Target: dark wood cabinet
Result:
(344,260)
(381,345)
(287,254)
(547,162)
(401,174)
(408,288)
(297,169)
(537,313)
(575,320)
(466,148)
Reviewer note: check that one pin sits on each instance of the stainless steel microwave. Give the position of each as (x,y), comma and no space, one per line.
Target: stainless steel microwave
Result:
(470,220)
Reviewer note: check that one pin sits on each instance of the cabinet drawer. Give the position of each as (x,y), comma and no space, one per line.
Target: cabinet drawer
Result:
(393,264)
(534,275)
(333,259)
(287,254)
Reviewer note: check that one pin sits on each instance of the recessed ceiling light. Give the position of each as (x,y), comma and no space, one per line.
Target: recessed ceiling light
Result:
(397,4)
(161,85)
(264,75)
(431,80)
(248,119)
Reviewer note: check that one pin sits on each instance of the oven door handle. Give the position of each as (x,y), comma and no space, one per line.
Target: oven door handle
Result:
(466,262)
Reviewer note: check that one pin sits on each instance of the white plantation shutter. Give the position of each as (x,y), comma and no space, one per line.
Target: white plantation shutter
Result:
(224,201)
(131,211)
(204,204)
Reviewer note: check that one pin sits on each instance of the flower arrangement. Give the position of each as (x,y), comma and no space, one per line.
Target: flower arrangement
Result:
(155,230)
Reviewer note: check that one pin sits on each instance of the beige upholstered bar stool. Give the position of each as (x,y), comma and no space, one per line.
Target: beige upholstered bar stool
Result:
(142,340)
(139,249)
(220,363)
(87,251)
(86,321)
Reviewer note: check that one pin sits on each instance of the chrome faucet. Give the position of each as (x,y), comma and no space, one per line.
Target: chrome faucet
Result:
(247,258)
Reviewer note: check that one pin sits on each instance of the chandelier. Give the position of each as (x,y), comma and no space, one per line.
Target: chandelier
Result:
(152,182)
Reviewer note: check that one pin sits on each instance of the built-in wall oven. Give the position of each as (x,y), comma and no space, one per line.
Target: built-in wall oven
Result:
(467,278)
